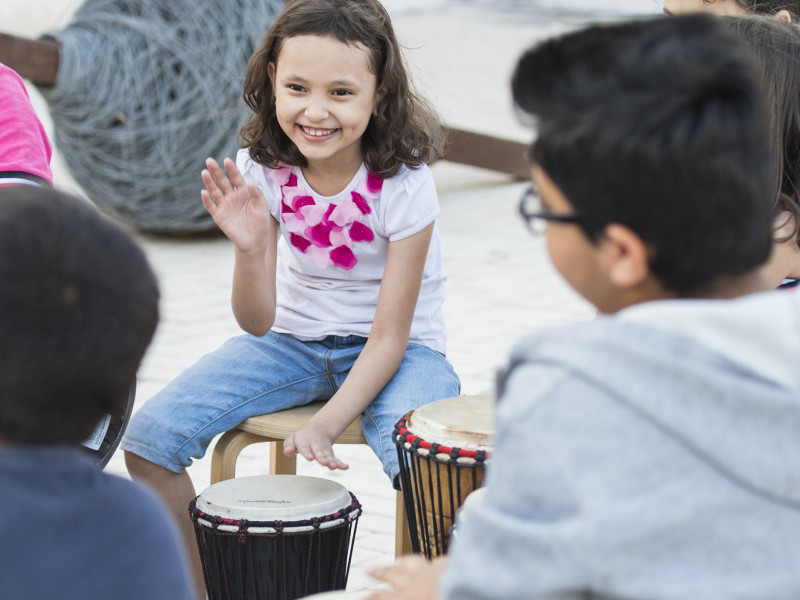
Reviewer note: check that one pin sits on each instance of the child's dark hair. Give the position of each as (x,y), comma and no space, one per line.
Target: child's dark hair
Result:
(403,129)
(78,308)
(659,125)
(775,44)
(766,7)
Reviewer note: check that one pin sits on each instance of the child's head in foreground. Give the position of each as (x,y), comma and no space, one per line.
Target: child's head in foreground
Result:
(654,131)
(78,308)
(783,9)
(402,129)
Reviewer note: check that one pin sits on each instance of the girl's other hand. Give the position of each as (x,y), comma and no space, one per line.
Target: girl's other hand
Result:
(237,207)
(313,444)
(410,578)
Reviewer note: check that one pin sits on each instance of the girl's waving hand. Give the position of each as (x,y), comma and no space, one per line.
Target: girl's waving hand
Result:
(237,207)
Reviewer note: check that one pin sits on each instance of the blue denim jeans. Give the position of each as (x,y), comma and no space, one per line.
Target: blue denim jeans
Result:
(251,375)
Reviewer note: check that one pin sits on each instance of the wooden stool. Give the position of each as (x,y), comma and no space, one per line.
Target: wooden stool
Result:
(276,427)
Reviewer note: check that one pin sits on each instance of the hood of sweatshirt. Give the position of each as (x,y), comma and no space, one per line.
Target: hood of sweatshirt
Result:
(718,376)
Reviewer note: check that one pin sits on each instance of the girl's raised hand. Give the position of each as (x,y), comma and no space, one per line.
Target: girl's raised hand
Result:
(238,208)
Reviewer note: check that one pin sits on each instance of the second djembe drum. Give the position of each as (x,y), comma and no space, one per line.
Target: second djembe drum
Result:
(442,448)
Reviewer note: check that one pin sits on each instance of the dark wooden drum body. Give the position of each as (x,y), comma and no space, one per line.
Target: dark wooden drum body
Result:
(442,448)
(275,537)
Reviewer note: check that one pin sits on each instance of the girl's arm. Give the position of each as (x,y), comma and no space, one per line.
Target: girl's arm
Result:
(380,358)
(253,297)
(239,209)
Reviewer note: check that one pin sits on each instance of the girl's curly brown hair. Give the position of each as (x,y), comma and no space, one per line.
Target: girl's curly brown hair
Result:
(775,46)
(403,129)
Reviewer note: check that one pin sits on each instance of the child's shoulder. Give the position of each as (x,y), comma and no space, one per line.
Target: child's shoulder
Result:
(410,180)
(262,175)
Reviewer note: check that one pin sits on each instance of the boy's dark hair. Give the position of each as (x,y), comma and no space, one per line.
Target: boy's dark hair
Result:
(775,45)
(766,7)
(403,129)
(658,125)
(78,308)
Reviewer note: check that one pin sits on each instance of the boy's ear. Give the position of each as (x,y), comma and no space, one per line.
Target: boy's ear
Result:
(626,256)
(784,15)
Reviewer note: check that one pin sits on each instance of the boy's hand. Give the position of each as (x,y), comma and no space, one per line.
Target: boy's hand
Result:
(313,444)
(237,207)
(410,578)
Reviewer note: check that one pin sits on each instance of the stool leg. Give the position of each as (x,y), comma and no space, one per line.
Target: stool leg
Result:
(226,452)
(279,463)
(402,538)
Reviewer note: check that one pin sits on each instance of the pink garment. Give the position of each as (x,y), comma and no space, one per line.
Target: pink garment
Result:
(23,142)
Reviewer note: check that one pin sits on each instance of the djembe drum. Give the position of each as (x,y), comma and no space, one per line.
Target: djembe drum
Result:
(276,537)
(442,448)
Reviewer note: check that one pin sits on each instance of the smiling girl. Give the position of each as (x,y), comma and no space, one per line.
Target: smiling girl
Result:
(338,277)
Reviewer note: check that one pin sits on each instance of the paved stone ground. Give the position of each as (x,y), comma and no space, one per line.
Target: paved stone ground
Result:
(501,284)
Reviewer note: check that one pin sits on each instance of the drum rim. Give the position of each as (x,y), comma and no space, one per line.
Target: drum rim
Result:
(433,450)
(342,517)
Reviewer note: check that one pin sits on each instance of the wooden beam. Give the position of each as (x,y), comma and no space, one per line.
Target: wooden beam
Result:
(35,60)
(487,152)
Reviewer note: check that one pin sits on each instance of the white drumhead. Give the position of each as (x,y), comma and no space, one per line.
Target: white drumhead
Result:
(274,498)
(465,422)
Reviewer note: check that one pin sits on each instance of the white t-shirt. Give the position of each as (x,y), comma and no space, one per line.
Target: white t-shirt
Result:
(332,250)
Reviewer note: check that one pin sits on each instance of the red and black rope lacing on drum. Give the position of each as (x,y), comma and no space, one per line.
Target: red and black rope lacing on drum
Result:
(280,526)
(433,450)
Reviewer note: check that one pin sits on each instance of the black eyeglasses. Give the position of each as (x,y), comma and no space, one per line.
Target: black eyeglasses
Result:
(536,217)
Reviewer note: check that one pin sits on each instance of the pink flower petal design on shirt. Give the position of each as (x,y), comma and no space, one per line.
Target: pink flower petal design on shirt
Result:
(359,232)
(289,194)
(300,201)
(282,175)
(362,204)
(320,235)
(299,242)
(345,213)
(374,183)
(312,214)
(339,238)
(343,257)
(319,256)
(293,224)
(325,233)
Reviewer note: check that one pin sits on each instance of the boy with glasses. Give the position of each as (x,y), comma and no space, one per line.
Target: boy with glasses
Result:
(654,451)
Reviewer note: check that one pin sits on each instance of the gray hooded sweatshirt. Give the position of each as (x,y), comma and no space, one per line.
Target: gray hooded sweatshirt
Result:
(649,455)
